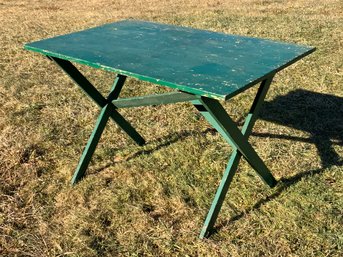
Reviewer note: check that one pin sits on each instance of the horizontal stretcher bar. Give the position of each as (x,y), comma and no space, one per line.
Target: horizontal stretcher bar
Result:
(167,98)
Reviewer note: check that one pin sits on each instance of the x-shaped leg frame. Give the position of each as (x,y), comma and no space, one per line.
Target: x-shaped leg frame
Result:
(221,121)
(108,110)
(211,109)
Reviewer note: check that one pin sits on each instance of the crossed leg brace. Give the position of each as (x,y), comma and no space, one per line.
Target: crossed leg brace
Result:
(211,109)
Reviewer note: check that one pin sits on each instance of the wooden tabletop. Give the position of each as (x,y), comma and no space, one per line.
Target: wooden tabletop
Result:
(200,62)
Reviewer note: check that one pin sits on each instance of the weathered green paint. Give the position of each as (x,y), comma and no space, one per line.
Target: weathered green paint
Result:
(167,98)
(205,63)
(91,144)
(94,94)
(233,161)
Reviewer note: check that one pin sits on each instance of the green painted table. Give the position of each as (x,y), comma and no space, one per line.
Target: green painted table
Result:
(202,66)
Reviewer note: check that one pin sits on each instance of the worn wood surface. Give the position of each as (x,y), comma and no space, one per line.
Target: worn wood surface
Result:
(201,62)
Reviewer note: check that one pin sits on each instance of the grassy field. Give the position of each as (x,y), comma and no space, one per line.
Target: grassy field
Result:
(152,200)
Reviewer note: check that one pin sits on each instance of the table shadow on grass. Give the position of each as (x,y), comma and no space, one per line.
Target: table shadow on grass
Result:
(318,114)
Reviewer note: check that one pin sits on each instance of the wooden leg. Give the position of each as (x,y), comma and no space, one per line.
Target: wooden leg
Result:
(94,94)
(91,145)
(108,110)
(215,114)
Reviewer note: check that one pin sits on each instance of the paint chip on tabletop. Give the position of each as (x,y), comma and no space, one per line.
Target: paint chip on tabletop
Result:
(174,56)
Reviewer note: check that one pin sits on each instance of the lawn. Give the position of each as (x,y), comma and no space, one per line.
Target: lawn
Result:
(152,200)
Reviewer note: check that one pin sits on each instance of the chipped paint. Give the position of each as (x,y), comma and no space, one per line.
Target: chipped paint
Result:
(204,63)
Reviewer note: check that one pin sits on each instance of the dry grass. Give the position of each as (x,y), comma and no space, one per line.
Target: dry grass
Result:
(153,201)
